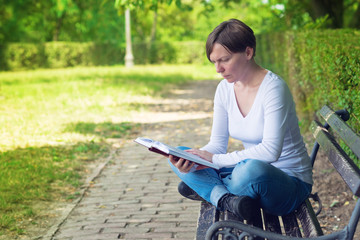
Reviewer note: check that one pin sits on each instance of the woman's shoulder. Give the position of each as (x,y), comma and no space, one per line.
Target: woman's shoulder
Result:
(275,86)
(274,79)
(273,82)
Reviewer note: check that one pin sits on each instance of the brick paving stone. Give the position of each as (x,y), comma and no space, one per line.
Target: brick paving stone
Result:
(148,235)
(126,230)
(67,238)
(99,236)
(186,224)
(75,233)
(173,230)
(155,225)
(127,220)
(187,235)
(104,225)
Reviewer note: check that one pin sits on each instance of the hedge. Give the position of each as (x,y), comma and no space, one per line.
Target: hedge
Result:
(18,56)
(320,66)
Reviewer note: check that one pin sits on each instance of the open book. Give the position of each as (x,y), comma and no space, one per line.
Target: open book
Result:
(167,150)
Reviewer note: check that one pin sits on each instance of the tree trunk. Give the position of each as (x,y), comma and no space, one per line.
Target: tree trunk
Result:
(153,28)
(58,27)
(333,8)
(355,22)
(129,58)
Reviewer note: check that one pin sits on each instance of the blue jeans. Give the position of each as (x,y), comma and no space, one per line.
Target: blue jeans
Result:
(277,192)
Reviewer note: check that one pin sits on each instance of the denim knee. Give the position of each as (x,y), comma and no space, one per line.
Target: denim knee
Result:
(182,147)
(249,170)
(245,176)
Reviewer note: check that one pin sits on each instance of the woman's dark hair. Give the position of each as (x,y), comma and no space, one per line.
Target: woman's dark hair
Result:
(233,35)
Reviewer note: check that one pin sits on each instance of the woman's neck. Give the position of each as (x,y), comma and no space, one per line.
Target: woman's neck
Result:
(253,76)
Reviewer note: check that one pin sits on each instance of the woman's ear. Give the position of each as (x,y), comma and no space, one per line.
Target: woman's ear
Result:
(249,52)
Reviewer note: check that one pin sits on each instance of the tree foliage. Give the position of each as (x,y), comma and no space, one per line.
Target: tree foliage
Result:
(324,13)
(163,20)
(59,20)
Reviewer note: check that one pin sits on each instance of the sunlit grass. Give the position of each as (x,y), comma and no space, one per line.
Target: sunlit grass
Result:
(53,122)
(36,106)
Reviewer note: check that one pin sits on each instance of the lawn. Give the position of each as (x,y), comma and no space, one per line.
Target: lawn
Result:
(54,122)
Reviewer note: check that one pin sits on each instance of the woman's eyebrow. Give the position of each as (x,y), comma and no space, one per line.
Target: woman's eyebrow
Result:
(220,59)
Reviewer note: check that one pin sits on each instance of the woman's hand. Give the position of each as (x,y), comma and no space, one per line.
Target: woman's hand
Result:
(183,165)
(201,153)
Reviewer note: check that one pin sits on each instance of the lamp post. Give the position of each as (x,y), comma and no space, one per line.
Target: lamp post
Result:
(129,58)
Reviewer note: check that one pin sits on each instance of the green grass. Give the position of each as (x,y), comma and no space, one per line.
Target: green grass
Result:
(36,106)
(54,122)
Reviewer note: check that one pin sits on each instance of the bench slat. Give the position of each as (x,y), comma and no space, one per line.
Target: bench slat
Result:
(308,220)
(208,215)
(230,216)
(342,129)
(291,226)
(272,223)
(342,163)
(257,222)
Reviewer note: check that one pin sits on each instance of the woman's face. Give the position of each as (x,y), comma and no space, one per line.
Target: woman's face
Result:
(232,66)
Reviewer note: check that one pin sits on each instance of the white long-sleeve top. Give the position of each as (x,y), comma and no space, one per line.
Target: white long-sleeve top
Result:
(269,132)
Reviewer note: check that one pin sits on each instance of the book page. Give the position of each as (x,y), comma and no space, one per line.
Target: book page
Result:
(147,142)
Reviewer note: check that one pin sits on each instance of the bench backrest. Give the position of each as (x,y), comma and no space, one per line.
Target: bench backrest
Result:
(344,165)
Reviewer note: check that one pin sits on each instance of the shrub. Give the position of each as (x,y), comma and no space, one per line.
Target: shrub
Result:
(67,54)
(107,54)
(23,56)
(190,52)
(19,56)
(320,66)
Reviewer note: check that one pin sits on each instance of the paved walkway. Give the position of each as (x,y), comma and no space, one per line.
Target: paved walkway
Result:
(135,196)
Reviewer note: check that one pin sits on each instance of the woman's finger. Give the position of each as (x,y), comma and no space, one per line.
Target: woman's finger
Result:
(186,167)
(180,163)
(172,159)
(188,164)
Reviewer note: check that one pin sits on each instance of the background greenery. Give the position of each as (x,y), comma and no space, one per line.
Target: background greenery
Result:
(164,21)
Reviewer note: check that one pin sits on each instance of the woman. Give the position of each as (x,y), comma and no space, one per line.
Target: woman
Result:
(254,105)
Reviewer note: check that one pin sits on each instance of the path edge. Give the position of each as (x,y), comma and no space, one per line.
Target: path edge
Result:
(89,180)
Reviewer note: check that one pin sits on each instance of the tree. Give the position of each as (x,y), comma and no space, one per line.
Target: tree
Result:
(336,11)
(293,14)
(60,20)
(330,13)
(60,8)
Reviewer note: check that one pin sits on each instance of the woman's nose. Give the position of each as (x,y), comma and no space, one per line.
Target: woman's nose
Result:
(219,68)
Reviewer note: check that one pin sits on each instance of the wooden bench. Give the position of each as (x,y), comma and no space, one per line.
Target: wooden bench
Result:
(302,223)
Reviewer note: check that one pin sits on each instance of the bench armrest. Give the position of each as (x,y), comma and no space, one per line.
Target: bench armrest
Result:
(237,230)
